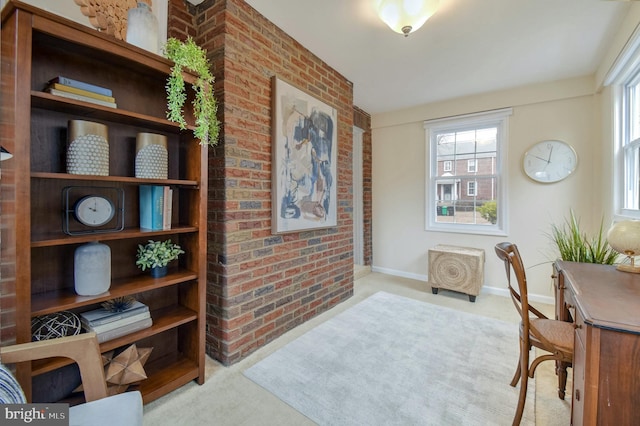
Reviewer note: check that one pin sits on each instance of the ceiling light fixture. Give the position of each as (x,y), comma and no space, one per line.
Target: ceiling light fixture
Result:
(406,16)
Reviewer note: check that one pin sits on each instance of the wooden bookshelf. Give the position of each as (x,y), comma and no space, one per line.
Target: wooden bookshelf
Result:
(36,47)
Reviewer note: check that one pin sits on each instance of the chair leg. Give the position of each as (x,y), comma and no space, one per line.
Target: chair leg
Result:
(524,381)
(561,371)
(516,377)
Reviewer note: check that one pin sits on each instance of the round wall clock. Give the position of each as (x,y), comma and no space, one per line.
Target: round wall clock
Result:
(550,161)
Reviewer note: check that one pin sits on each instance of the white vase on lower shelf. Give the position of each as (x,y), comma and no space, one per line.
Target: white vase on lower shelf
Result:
(92,269)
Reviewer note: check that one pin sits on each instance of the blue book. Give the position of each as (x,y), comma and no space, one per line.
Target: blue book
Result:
(151,206)
(81,85)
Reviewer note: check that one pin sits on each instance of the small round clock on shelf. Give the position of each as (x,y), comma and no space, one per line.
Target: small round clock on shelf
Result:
(92,209)
(550,161)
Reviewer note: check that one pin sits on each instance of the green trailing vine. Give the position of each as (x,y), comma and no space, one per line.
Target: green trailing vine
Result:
(191,56)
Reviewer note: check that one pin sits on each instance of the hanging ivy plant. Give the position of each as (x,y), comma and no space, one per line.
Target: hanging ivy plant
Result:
(191,56)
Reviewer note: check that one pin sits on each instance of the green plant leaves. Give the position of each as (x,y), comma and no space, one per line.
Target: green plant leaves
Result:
(189,55)
(157,253)
(574,245)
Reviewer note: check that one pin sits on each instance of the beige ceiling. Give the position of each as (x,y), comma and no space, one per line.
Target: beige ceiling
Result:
(467,47)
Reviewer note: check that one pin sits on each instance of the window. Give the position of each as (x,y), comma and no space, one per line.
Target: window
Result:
(471,188)
(447,166)
(630,142)
(624,78)
(469,197)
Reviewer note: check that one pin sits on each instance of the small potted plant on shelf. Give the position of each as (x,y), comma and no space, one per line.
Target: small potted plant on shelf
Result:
(156,255)
(189,55)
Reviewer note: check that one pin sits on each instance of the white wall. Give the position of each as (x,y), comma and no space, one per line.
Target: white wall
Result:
(562,110)
(578,111)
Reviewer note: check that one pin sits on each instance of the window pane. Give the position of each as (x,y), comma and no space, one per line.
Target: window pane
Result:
(631,185)
(464,184)
(634,112)
(456,205)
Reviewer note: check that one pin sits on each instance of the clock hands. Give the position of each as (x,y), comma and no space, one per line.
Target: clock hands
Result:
(540,158)
(550,152)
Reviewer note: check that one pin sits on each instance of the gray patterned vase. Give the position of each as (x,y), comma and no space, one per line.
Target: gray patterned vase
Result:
(88,151)
(151,156)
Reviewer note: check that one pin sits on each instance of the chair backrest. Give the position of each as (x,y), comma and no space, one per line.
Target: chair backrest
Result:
(84,349)
(509,253)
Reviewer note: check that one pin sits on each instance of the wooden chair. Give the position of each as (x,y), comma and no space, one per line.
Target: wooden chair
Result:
(553,336)
(99,409)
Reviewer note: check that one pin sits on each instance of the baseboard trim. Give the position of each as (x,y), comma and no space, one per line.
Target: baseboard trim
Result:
(486,289)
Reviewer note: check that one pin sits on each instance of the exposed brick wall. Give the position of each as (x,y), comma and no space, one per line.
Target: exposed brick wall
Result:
(261,285)
(180,19)
(362,120)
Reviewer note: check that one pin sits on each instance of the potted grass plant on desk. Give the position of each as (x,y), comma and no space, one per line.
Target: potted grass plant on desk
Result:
(576,246)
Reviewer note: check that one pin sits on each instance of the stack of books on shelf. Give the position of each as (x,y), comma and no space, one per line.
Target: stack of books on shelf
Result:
(110,325)
(81,91)
(155,207)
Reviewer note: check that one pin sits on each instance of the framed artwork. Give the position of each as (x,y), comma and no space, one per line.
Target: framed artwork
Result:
(304,169)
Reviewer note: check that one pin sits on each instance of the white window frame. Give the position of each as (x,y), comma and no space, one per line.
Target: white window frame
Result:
(472,184)
(498,118)
(446,166)
(624,73)
(472,165)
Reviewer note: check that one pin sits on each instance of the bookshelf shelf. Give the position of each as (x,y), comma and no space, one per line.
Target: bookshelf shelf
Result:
(95,111)
(39,47)
(67,299)
(57,238)
(112,179)
(163,320)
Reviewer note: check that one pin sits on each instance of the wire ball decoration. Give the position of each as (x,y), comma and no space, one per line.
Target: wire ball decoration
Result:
(53,326)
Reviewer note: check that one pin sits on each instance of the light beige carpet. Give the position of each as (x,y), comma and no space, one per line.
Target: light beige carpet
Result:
(392,360)
(228,398)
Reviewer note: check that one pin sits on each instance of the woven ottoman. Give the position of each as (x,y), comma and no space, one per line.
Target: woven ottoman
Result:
(456,268)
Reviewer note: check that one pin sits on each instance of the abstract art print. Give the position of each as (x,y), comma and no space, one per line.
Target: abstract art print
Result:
(304,194)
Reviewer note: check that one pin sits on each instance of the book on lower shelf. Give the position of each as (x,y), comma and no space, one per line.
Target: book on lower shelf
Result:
(122,330)
(103,316)
(119,323)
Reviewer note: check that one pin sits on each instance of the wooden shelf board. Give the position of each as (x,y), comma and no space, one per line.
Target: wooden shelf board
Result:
(170,377)
(121,179)
(163,320)
(61,300)
(87,109)
(59,239)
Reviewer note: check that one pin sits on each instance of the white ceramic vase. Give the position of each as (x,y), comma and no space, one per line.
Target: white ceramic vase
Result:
(142,28)
(92,269)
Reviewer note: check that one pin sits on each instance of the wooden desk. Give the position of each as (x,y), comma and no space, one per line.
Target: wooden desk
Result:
(604,304)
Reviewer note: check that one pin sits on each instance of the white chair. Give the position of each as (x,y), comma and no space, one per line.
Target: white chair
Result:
(100,409)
